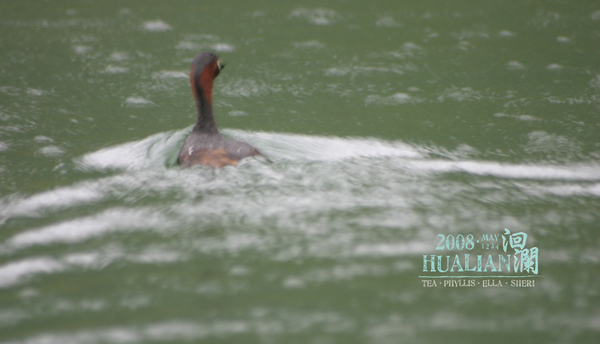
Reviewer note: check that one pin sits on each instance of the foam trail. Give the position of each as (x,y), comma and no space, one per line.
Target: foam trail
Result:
(81,229)
(512,171)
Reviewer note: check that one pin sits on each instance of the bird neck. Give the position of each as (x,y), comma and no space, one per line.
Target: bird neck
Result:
(202,84)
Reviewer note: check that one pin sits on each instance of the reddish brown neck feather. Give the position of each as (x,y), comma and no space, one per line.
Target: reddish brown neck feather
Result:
(202,85)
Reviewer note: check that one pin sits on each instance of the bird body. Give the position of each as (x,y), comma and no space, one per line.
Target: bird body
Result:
(204,145)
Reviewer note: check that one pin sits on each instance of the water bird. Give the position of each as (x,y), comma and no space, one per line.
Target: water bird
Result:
(204,145)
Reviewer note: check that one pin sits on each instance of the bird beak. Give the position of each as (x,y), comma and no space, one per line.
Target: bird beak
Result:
(220,64)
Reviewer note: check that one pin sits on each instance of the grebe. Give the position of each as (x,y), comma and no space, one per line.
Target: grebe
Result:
(205,145)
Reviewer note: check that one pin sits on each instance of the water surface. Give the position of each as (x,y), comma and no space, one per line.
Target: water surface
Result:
(387,124)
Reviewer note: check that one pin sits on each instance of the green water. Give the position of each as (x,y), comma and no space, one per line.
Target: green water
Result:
(387,123)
